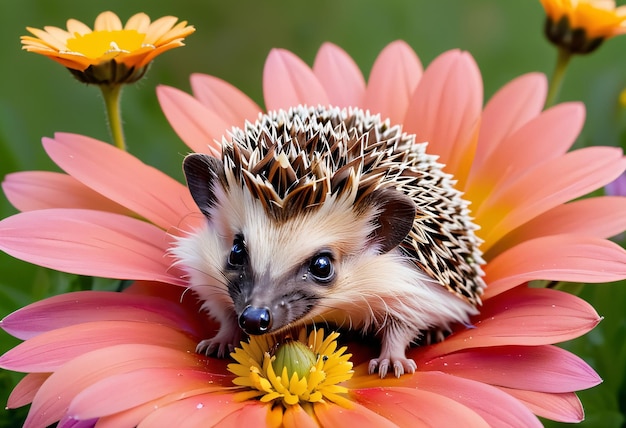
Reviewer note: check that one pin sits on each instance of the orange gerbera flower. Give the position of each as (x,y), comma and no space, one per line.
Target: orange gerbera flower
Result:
(580,26)
(110,53)
(128,359)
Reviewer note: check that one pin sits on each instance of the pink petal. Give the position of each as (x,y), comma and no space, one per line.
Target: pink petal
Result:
(547,136)
(122,178)
(196,125)
(522,316)
(340,76)
(550,184)
(55,395)
(124,391)
(199,411)
(297,417)
(48,351)
(512,106)
(393,79)
(445,111)
(417,408)
(556,258)
(134,416)
(536,368)
(289,82)
(358,415)
(249,414)
(498,409)
(38,190)
(223,99)
(86,242)
(88,306)
(493,405)
(598,217)
(25,390)
(67,422)
(565,407)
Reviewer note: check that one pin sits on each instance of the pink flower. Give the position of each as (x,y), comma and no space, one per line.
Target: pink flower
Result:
(125,358)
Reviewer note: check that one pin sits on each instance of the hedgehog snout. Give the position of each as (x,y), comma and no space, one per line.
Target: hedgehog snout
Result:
(255,321)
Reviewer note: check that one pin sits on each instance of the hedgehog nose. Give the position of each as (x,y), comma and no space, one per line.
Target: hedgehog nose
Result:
(255,320)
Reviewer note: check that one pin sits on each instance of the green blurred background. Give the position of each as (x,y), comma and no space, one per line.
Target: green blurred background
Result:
(38,98)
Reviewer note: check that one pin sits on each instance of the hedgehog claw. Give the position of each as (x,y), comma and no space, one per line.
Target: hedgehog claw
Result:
(400,366)
(222,344)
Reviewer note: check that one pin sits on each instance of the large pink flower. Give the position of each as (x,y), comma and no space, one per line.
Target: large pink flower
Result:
(125,358)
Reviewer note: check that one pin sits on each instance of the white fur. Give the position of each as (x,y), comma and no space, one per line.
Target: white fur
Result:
(383,294)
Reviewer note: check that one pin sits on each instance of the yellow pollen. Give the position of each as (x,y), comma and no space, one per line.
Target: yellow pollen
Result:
(306,370)
(99,43)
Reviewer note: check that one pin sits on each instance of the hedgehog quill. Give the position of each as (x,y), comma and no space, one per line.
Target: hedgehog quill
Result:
(330,216)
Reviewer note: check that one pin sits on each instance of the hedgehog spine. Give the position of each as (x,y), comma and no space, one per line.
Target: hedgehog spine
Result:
(322,215)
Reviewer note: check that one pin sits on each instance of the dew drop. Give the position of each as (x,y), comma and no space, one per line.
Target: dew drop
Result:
(199,406)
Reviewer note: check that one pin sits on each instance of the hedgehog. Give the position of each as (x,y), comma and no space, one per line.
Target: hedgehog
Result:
(328,215)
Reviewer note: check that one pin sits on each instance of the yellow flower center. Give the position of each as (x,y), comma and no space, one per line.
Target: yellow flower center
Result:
(306,370)
(99,43)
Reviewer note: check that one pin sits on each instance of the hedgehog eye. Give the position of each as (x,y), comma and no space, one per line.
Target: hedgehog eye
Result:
(321,267)
(238,252)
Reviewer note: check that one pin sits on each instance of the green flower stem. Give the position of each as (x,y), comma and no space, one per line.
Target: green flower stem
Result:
(112,95)
(556,81)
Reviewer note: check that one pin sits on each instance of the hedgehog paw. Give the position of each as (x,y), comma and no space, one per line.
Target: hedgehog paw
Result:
(400,364)
(222,344)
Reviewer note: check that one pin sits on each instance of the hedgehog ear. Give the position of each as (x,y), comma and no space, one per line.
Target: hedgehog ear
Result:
(396,214)
(202,173)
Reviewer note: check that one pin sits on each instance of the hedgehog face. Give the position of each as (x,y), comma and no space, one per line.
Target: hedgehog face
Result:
(301,197)
(276,271)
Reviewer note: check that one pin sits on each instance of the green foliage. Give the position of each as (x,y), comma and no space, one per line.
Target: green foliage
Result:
(38,97)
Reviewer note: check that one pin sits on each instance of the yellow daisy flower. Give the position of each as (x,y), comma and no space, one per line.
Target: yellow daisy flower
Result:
(111,53)
(580,26)
(293,371)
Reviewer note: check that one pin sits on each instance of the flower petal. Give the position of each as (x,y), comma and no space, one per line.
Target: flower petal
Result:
(534,368)
(332,415)
(157,32)
(57,392)
(123,178)
(38,190)
(196,125)
(88,242)
(199,411)
(597,217)
(107,21)
(139,22)
(340,76)
(296,417)
(556,258)
(445,111)
(223,99)
(545,137)
(67,422)
(417,408)
(25,390)
(86,306)
(493,405)
(552,183)
(288,82)
(394,76)
(74,26)
(48,351)
(124,391)
(522,316)
(565,407)
(512,106)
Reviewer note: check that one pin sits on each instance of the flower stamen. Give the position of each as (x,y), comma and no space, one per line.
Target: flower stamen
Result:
(291,372)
